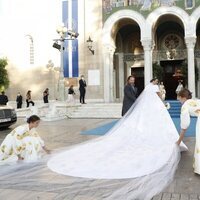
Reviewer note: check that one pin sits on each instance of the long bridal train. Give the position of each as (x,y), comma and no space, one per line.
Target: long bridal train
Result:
(141,146)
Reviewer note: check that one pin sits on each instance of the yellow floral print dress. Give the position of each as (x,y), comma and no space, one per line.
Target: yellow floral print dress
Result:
(21,142)
(192,108)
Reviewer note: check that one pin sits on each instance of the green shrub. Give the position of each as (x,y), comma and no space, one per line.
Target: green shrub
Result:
(4,80)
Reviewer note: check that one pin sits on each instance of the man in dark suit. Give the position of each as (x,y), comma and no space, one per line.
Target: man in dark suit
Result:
(3,98)
(130,94)
(19,100)
(82,86)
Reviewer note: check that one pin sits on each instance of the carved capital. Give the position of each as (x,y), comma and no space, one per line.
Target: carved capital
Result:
(190,42)
(147,44)
(110,49)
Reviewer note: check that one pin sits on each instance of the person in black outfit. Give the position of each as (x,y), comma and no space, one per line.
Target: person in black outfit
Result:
(130,94)
(82,86)
(19,100)
(46,95)
(3,98)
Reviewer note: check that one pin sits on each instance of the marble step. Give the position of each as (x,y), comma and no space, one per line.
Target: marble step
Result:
(111,110)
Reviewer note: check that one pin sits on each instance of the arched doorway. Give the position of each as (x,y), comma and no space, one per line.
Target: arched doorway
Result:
(128,56)
(170,52)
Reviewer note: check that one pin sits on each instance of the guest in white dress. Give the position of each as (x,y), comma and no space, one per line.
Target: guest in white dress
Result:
(179,87)
(71,95)
(190,107)
(23,143)
(162,91)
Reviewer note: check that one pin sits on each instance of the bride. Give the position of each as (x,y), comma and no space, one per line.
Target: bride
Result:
(141,147)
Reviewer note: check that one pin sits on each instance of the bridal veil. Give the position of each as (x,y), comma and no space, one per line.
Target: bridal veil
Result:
(141,147)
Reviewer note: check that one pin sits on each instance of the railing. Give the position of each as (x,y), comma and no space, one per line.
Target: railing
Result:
(161,55)
(170,55)
(133,57)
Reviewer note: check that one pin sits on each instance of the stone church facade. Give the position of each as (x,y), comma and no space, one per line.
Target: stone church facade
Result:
(141,37)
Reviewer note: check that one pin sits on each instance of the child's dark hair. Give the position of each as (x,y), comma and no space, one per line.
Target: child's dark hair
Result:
(185,93)
(32,119)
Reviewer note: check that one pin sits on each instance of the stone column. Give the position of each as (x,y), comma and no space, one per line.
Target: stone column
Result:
(148,72)
(121,75)
(198,83)
(190,43)
(108,73)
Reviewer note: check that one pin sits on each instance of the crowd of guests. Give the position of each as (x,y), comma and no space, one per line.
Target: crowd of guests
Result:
(29,101)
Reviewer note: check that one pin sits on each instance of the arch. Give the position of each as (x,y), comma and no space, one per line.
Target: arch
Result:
(125,13)
(176,11)
(194,18)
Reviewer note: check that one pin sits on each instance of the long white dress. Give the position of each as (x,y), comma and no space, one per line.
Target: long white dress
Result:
(189,108)
(21,142)
(140,146)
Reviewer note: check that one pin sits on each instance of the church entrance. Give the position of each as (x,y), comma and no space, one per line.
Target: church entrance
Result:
(173,73)
(138,72)
(128,56)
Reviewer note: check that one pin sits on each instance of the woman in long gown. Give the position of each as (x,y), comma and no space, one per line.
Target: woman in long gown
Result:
(190,107)
(23,143)
(141,146)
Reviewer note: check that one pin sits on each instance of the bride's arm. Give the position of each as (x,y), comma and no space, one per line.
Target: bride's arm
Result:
(160,95)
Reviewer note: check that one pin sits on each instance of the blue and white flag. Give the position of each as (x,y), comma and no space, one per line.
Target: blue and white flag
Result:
(70,57)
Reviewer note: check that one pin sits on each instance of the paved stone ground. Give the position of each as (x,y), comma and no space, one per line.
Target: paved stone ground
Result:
(42,184)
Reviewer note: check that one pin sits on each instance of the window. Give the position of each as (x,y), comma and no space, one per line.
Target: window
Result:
(189,4)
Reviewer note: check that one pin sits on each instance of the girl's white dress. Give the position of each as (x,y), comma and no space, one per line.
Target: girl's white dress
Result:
(191,107)
(21,142)
(141,146)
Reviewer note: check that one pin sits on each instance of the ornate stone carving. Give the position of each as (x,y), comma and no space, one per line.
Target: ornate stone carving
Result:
(190,42)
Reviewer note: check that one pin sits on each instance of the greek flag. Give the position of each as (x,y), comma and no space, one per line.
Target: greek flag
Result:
(70,57)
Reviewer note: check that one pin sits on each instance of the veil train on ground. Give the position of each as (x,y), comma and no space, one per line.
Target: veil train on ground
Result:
(140,147)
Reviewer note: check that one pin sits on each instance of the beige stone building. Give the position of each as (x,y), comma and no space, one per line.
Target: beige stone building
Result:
(129,37)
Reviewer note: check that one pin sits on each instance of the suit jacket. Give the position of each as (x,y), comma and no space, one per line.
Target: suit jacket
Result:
(130,95)
(19,99)
(82,85)
(3,99)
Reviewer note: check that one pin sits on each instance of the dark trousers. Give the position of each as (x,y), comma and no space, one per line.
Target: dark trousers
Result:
(19,105)
(28,102)
(82,96)
(45,99)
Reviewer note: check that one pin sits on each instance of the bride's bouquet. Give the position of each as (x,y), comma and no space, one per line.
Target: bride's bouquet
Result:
(167,105)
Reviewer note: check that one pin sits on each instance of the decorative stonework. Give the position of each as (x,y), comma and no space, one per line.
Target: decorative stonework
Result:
(147,44)
(190,42)
(171,41)
(146,6)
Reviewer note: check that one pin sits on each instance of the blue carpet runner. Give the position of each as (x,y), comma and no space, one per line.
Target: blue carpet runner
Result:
(174,111)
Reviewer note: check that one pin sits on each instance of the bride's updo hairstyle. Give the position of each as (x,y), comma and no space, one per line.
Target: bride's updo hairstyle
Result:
(32,119)
(153,79)
(185,93)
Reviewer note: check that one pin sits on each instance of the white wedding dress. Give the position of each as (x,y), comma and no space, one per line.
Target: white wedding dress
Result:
(141,146)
